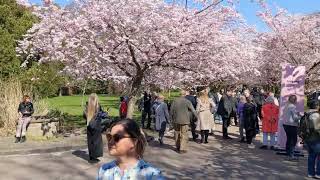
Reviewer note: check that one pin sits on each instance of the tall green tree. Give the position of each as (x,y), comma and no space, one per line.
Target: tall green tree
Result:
(15,20)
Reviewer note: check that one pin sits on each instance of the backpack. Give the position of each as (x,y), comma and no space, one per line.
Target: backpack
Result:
(306,128)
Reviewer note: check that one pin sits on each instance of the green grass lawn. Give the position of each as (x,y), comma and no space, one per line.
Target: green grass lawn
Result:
(71,106)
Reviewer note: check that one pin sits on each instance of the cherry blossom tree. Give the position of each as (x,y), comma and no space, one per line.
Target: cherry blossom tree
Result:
(24,3)
(139,42)
(293,39)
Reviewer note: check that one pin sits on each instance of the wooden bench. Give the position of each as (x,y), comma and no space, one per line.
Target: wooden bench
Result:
(43,126)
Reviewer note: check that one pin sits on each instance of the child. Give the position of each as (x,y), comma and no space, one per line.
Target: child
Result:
(126,143)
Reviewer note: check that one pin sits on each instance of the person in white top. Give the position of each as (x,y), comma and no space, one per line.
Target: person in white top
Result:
(205,108)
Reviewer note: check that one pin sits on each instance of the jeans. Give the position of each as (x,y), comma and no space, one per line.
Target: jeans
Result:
(193,127)
(292,133)
(22,126)
(241,128)
(146,113)
(226,123)
(272,139)
(162,130)
(181,136)
(313,159)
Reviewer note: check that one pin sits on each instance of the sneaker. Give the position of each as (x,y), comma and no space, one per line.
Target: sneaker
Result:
(251,146)
(311,176)
(316,176)
(17,140)
(264,147)
(23,139)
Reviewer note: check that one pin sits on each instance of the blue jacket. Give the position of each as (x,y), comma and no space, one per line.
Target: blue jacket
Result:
(142,171)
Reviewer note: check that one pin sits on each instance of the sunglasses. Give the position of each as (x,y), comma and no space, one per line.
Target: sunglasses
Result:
(116,137)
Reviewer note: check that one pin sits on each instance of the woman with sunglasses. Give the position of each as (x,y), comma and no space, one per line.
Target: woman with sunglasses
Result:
(127,143)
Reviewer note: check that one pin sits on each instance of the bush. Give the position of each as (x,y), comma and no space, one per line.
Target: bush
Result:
(43,80)
(10,95)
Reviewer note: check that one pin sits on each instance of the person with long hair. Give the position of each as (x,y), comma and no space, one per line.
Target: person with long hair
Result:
(290,124)
(205,107)
(127,143)
(93,115)
(25,111)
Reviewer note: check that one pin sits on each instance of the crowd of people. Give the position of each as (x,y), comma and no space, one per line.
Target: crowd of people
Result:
(197,110)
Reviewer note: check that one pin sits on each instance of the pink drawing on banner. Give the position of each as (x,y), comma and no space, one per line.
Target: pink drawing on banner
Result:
(292,83)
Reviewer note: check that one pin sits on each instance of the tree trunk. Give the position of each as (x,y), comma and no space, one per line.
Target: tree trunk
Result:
(134,94)
(131,106)
(83,93)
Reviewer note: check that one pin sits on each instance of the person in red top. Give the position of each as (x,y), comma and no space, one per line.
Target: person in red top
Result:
(270,117)
(123,108)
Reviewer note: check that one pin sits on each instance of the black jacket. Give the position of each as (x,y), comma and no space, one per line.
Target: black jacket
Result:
(258,98)
(226,106)
(193,100)
(250,117)
(26,109)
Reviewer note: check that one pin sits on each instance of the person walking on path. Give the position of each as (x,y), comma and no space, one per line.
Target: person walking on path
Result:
(225,109)
(181,113)
(146,113)
(250,117)
(290,124)
(123,108)
(193,99)
(161,112)
(127,143)
(217,97)
(270,118)
(205,107)
(25,111)
(310,134)
(94,115)
(240,115)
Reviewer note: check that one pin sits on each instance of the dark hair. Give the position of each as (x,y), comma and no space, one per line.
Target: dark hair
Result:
(313,104)
(121,98)
(132,128)
(249,99)
(292,99)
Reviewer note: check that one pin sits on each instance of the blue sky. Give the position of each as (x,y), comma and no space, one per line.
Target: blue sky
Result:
(249,9)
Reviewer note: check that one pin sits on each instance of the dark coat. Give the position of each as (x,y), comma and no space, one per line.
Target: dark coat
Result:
(250,118)
(226,106)
(147,104)
(258,98)
(94,138)
(26,109)
(193,100)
